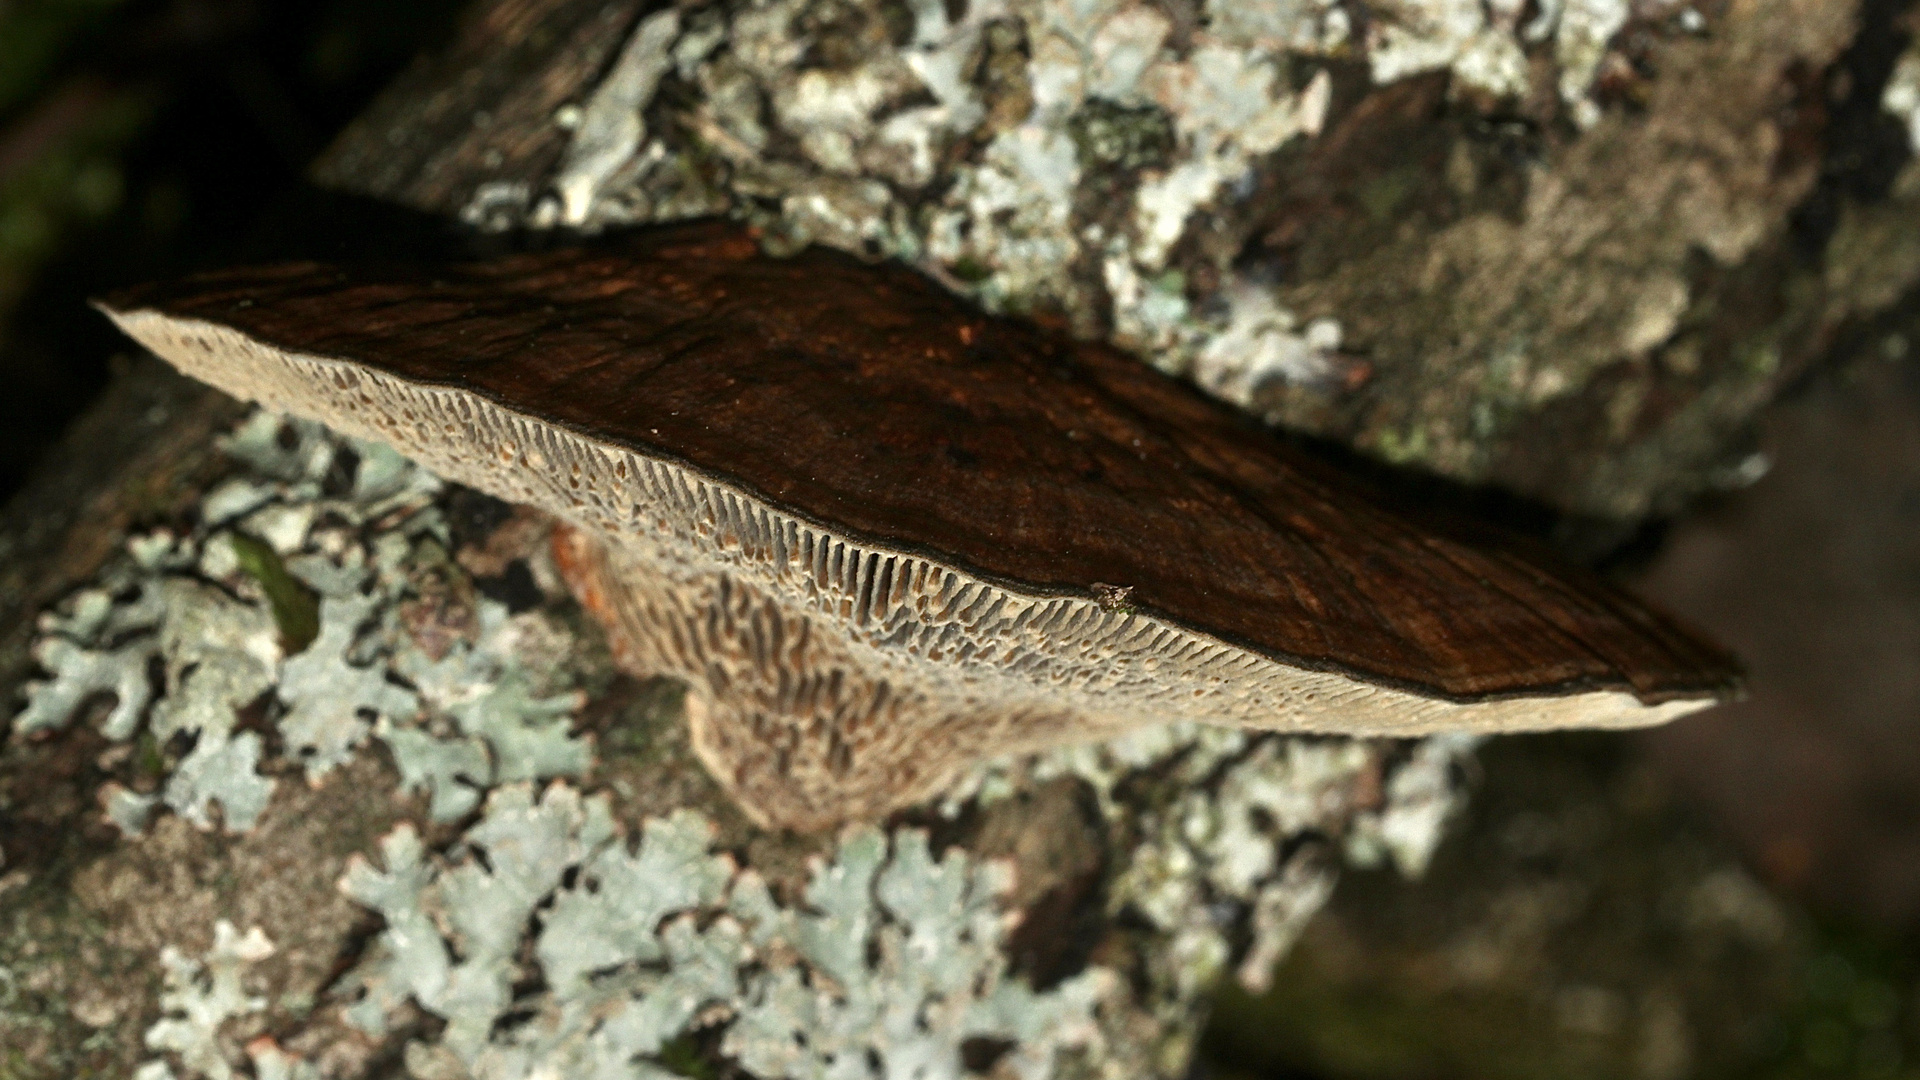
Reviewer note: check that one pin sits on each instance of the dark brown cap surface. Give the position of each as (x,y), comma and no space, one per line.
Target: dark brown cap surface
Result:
(868,401)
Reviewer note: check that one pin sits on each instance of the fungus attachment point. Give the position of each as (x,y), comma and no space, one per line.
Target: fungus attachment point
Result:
(862,521)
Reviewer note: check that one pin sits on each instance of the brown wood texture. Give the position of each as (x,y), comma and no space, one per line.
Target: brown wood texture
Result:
(867,400)
(480,110)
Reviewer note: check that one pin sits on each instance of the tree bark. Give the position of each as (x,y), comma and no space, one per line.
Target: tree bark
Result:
(1576,276)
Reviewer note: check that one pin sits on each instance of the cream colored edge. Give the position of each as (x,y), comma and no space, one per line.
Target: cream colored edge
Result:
(1138,669)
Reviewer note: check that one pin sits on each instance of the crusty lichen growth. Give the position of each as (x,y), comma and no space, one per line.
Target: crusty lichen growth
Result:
(621,921)
(1229,804)
(1058,101)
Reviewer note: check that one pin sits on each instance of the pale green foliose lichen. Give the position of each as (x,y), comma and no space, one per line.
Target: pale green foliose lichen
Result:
(99,642)
(891,964)
(1209,858)
(201,995)
(343,519)
(910,950)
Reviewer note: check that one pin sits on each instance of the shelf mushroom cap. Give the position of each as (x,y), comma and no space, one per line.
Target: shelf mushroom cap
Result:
(883,536)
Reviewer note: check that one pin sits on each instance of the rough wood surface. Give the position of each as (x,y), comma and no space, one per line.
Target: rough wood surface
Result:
(1491,328)
(482,108)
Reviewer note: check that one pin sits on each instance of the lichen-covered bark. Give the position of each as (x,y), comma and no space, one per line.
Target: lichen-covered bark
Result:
(1580,924)
(134,457)
(1570,256)
(324,773)
(482,108)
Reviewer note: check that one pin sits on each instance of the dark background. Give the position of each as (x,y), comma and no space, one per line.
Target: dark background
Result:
(1736,895)
(139,138)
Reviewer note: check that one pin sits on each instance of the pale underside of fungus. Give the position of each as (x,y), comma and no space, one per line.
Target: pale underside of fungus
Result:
(882,536)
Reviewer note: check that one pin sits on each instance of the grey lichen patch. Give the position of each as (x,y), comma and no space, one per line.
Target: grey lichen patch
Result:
(218,656)
(200,996)
(1234,841)
(498,722)
(910,950)
(481,899)
(210,713)
(1487,45)
(889,965)
(960,143)
(1263,346)
(1199,853)
(84,920)
(607,131)
(1901,98)
(340,526)
(1502,338)
(1422,793)
(328,698)
(1245,821)
(98,642)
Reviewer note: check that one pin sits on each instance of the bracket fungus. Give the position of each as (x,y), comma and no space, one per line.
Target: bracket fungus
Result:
(881,535)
